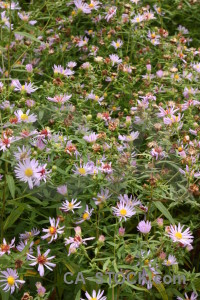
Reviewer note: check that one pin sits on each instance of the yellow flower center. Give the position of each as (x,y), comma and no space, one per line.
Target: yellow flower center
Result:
(52,229)
(138,19)
(153,36)
(23,87)
(94,298)
(70,205)
(146,262)
(123,212)
(168,262)
(82,171)
(117,45)
(28,172)
(176,76)
(11,280)
(85,216)
(73,13)
(91,5)
(178,235)
(96,97)
(24,117)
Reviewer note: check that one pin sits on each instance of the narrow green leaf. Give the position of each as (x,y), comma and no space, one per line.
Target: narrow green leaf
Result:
(15,214)
(164,211)
(161,289)
(78,295)
(11,185)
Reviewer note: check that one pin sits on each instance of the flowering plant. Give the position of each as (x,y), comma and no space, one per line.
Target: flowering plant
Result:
(99,146)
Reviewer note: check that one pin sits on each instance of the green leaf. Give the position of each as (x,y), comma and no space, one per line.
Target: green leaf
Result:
(161,289)
(4,295)
(78,295)
(11,185)
(29,36)
(138,288)
(164,211)
(15,214)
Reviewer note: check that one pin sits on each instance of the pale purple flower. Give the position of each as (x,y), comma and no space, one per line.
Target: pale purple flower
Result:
(62,189)
(29,234)
(5,20)
(121,231)
(115,59)
(158,153)
(60,98)
(60,70)
(84,7)
(40,289)
(144,227)
(102,196)
(170,261)
(196,67)
(27,87)
(137,19)
(22,153)
(193,296)
(91,138)
(9,280)
(29,68)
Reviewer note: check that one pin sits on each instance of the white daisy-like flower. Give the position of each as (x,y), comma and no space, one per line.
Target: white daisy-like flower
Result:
(70,206)
(86,215)
(42,260)
(9,280)
(28,171)
(53,230)
(170,261)
(26,118)
(124,210)
(5,247)
(177,234)
(95,295)
(117,44)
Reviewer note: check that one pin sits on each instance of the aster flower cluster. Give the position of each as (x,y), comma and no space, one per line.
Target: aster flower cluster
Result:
(99,146)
